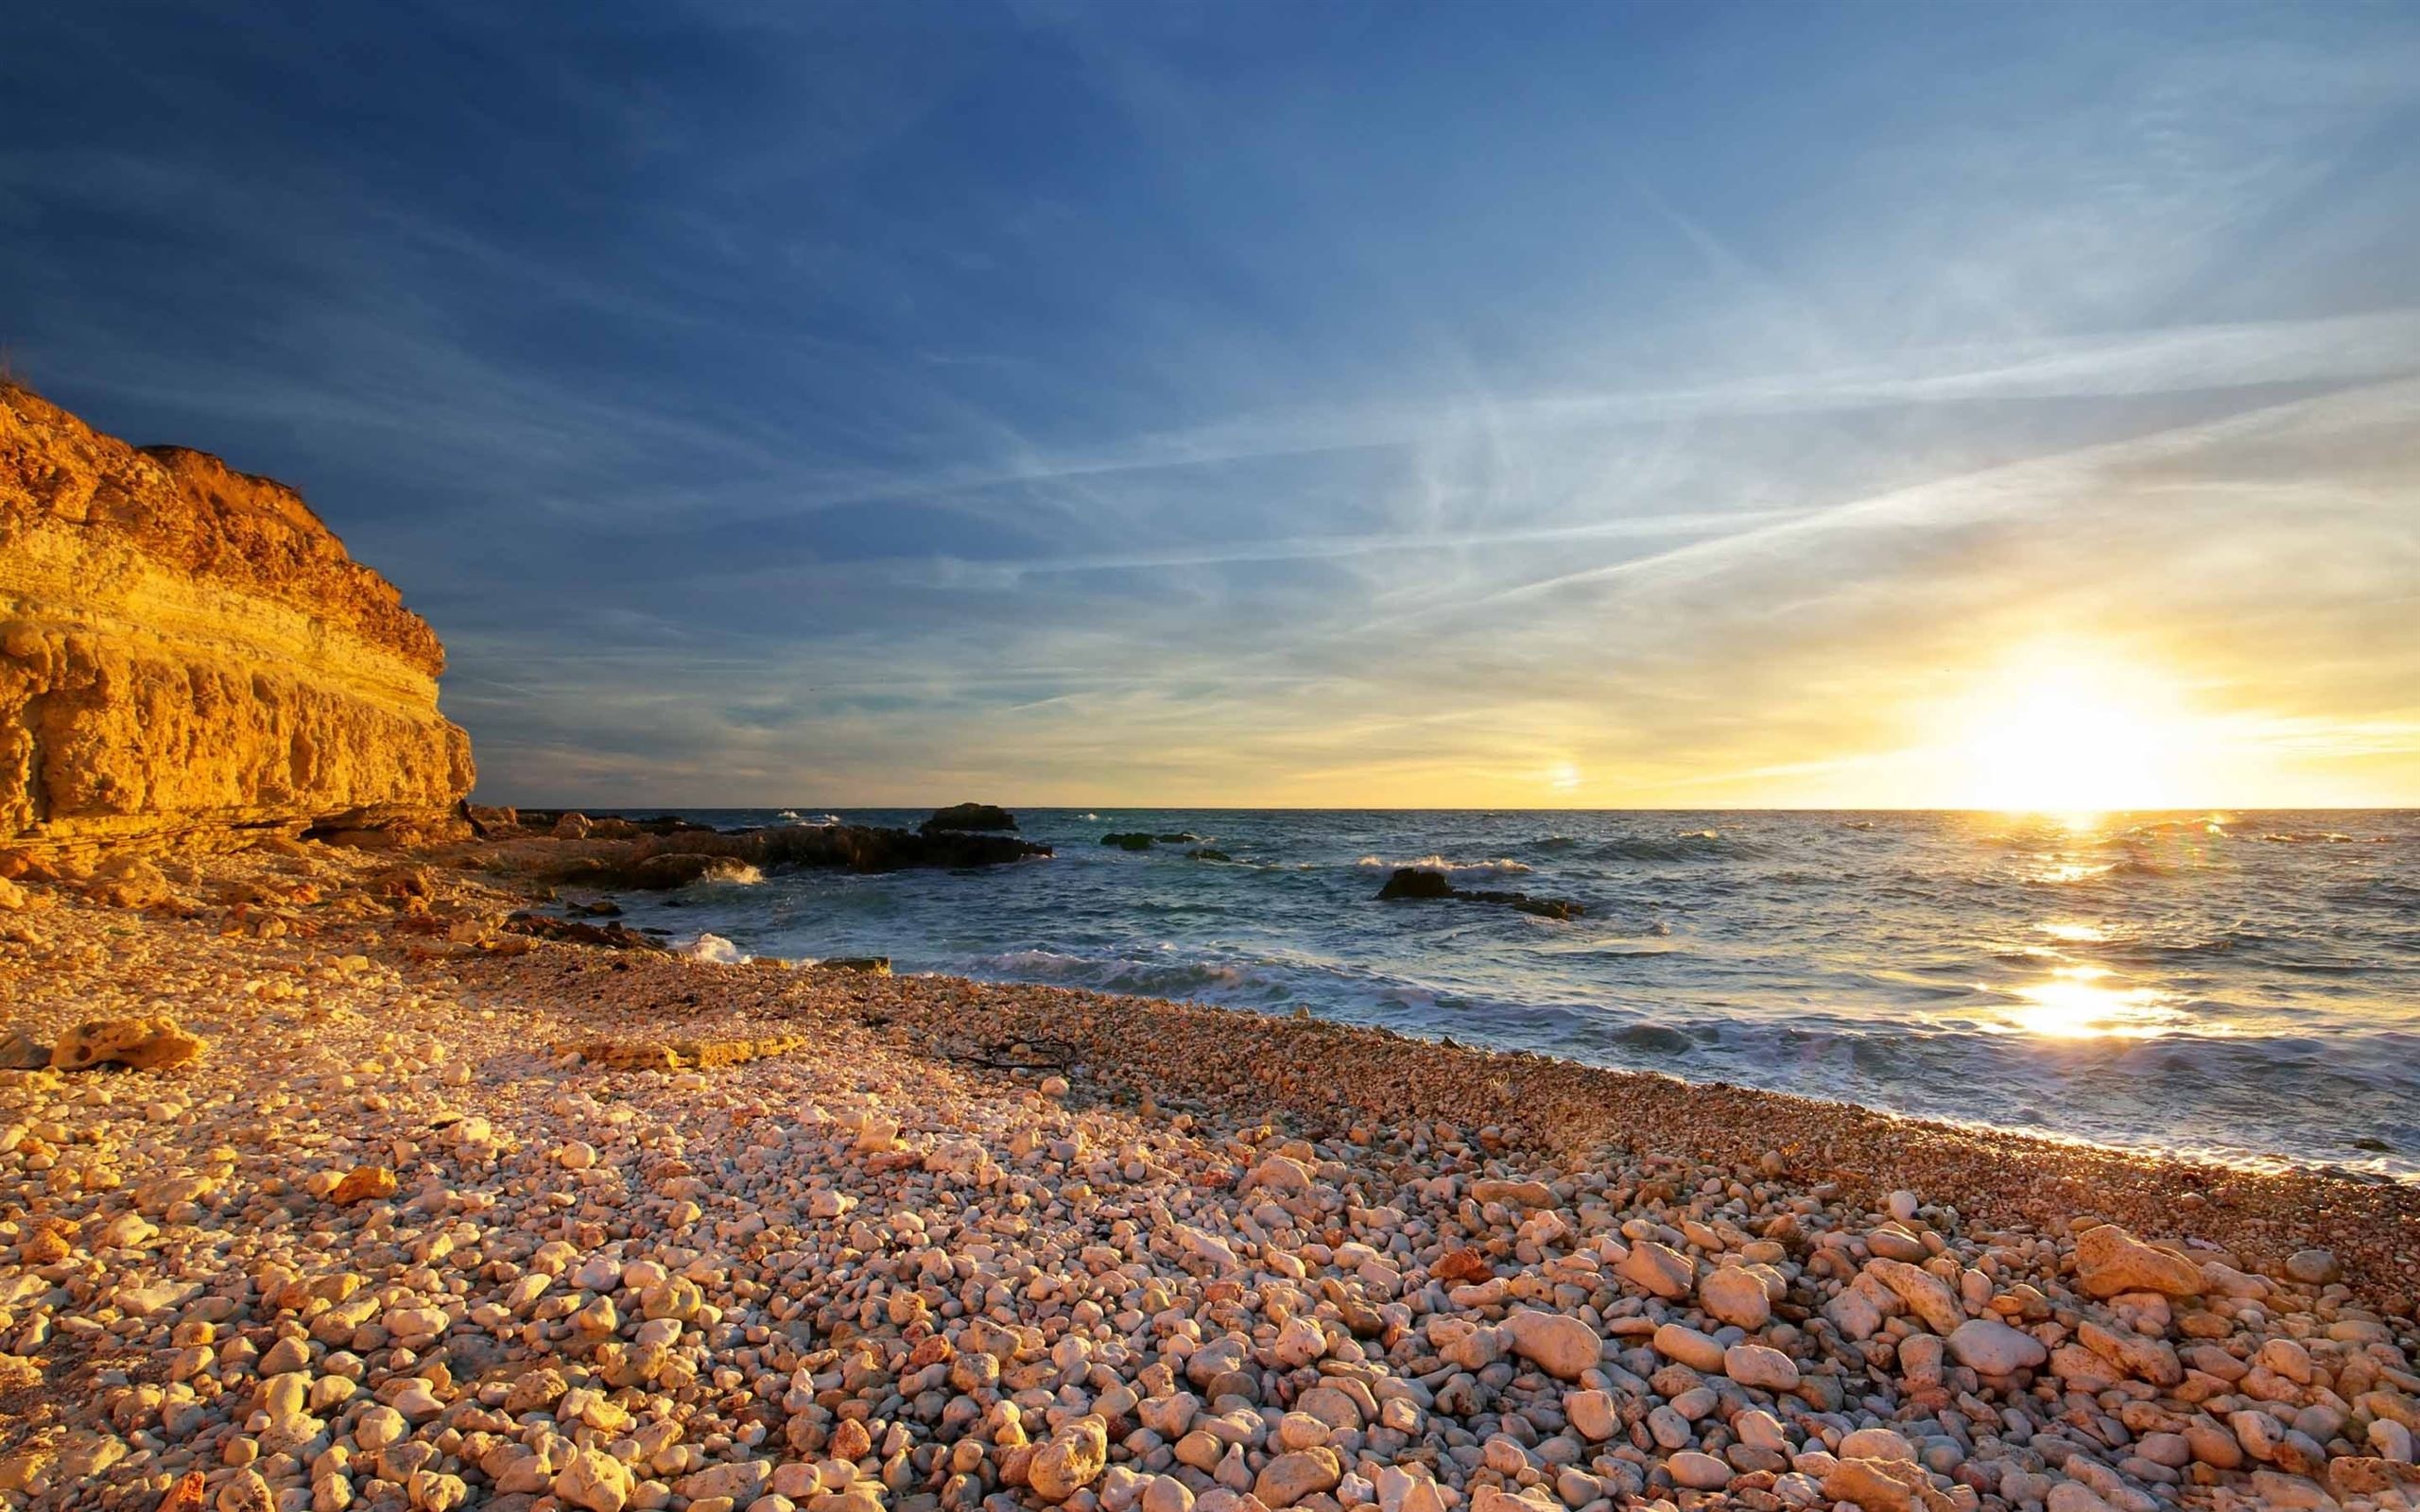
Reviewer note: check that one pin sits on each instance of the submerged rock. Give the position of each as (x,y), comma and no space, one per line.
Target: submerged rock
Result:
(1128,840)
(1419,884)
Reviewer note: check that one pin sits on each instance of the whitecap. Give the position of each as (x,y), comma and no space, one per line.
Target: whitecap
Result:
(712,948)
(1454,870)
(729,873)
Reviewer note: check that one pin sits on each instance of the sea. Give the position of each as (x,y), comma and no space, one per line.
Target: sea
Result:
(2237,986)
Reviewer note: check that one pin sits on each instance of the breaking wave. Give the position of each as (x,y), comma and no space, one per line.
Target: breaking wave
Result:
(1454,870)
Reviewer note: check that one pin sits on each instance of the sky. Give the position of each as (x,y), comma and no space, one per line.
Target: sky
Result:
(1330,404)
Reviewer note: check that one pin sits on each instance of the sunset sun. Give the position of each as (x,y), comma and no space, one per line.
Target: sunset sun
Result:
(2059,730)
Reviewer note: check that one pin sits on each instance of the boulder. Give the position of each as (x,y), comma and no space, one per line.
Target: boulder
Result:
(1884,1486)
(1760,1365)
(2110,1261)
(1293,1476)
(144,1044)
(595,1481)
(572,932)
(1991,1347)
(1414,882)
(662,854)
(1418,883)
(1657,1268)
(1514,1193)
(1736,1295)
(22,1052)
(1699,1352)
(1560,1345)
(1927,1295)
(969,816)
(1071,1459)
(364,1183)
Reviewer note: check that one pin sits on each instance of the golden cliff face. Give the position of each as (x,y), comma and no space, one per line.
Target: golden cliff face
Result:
(188,657)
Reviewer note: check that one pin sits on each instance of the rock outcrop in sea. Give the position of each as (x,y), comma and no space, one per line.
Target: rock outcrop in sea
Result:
(1419,884)
(573,849)
(189,659)
(970,816)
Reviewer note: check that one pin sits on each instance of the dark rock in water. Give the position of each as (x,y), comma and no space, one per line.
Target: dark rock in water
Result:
(676,860)
(544,822)
(1207,853)
(1418,883)
(969,816)
(1180,837)
(607,909)
(613,937)
(2373,1144)
(1414,882)
(1135,840)
(1543,908)
(870,965)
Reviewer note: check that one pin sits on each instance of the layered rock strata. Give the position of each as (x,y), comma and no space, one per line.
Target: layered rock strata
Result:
(189,658)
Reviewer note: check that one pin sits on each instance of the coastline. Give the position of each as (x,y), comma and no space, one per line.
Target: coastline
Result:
(365,1013)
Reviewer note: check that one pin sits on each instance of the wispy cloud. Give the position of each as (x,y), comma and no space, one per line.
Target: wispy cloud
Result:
(1111,405)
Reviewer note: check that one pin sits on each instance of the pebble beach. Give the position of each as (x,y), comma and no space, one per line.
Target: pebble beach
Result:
(324,1188)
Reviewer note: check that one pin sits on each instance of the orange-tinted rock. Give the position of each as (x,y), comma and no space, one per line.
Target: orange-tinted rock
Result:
(188,655)
(363,1184)
(145,1044)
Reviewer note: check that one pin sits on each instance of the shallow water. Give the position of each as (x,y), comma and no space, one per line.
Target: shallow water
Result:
(2245,985)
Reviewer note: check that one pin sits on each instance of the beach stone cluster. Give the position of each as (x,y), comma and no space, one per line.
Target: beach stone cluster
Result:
(393,1228)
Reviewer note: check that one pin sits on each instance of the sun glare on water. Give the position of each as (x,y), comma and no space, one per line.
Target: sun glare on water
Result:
(2077,1004)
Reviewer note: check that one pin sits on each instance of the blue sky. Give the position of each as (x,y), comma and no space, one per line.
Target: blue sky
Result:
(1329,404)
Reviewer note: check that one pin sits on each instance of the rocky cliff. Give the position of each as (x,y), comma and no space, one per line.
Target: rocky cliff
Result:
(188,658)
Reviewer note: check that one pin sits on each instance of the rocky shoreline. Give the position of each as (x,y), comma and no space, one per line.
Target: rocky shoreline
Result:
(433,1213)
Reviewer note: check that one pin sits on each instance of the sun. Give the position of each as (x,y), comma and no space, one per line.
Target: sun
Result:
(2063,731)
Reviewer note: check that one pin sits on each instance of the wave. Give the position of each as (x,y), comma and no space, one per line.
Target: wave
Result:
(1695,845)
(712,948)
(1158,979)
(820,822)
(1454,870)
(2142,867)
(728,873)
(1888,966)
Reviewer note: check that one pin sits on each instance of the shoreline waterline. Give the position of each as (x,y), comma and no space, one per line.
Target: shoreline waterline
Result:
(2192,983)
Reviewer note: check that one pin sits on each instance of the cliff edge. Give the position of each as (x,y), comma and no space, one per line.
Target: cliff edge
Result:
(189,659)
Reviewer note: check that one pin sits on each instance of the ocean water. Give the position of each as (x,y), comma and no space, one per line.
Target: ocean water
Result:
(2244,985)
